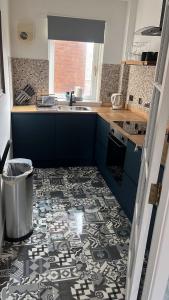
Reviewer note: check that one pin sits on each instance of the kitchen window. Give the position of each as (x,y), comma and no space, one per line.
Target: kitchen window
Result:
(75,55)
(74,63)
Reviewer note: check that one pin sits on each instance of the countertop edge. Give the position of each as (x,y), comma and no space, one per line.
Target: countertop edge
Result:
(104,112)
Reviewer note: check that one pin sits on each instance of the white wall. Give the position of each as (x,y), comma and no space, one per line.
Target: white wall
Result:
(130,27)
(148,13)
(36,11)
(141,13)
(4,99)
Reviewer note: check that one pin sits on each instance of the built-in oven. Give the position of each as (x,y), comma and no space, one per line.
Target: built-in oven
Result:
(117,144)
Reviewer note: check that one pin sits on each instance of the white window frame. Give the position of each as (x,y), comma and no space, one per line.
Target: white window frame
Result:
(96,71)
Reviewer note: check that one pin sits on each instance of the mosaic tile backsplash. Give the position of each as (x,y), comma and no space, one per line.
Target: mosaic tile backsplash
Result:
(30,71)
(123,81)
(140,85)
(128,80)
(109,82)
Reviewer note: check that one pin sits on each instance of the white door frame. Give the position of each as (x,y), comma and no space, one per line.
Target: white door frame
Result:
(157,273)
(151,159)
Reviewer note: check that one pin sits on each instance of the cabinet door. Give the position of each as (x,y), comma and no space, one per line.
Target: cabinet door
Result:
(132,162)
(127,196)
(75,138)
(34,137)
(102,131)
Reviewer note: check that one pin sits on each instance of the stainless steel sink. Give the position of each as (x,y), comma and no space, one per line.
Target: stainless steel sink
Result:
(67,108)
(50,108)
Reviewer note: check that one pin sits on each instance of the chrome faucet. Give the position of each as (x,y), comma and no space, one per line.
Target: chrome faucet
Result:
(72,98)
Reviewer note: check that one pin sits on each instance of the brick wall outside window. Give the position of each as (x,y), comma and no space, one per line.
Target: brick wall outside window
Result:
(70,63)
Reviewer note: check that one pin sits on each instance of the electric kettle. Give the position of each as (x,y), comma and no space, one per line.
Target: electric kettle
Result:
(116,100)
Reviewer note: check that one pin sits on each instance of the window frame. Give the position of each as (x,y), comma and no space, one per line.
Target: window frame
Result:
(96,72)
(2,75)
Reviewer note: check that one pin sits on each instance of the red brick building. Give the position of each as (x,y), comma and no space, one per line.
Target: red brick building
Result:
(70,63)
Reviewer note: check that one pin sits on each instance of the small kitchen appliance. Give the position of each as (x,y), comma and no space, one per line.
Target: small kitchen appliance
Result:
(46,101)
(116,100)
(78,93)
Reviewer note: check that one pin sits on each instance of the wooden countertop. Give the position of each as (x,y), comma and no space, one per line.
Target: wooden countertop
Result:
(106,113)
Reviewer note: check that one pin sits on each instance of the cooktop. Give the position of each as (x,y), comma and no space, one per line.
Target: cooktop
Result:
(133,127)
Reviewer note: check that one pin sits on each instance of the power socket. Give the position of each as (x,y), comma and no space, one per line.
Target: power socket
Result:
(131,97)
(140,101)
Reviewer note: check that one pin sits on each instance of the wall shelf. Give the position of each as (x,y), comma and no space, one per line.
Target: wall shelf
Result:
(138,63)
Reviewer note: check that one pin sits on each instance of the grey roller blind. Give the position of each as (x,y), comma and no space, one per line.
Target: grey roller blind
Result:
(75,29)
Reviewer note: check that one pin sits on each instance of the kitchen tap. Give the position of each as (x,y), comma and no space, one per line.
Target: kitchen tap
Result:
(72,98)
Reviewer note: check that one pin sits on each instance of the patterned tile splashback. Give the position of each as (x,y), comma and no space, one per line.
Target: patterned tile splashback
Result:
(116,78)
(123,81)
(30,71)
(109,81)
(140,85)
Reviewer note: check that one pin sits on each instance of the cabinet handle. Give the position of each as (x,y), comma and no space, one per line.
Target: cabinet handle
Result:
(117,143)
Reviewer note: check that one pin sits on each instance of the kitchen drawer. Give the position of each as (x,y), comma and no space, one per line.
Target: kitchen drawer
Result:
(132,161)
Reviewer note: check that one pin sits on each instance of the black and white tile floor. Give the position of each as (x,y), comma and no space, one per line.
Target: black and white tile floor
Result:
(79,246)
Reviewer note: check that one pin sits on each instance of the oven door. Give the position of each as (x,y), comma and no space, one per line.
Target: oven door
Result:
(116,156)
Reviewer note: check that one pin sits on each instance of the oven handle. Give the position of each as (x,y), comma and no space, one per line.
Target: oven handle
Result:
(114,140)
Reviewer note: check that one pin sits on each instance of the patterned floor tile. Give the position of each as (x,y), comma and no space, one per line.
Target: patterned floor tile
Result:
(108,253)
(37,266)
(83,289)
(23,288)
(49,293)
(62,259)
(65,289)
(79,247)
(58,246)
(57,275)
(3,282)
(27,295)
(16,270)
(37,251)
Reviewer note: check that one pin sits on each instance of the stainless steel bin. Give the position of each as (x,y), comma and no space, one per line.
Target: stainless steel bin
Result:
(17,193)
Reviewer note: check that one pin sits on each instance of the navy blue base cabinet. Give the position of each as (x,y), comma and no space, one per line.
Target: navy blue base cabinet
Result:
(127,196)
(34,138)
(51,140)
(124,191)
(102,130)
(132,161)
(130,178)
